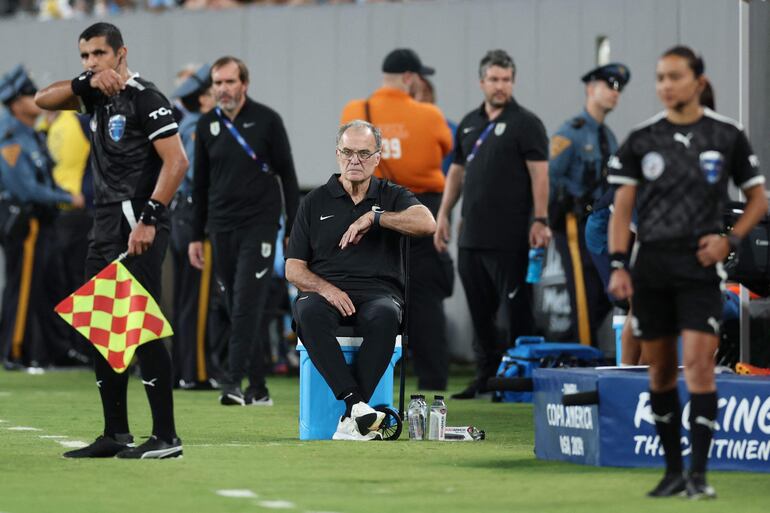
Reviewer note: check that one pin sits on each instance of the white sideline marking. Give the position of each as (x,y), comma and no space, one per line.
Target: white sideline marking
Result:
(72,444)
(53,437)
(1,421)
(22,428)
(276,504)
(4,394)
(237,494)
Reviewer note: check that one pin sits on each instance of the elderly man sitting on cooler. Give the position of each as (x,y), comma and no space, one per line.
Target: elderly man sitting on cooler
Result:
(344,256)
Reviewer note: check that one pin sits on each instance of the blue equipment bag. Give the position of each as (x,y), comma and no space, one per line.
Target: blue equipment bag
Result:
(533,352)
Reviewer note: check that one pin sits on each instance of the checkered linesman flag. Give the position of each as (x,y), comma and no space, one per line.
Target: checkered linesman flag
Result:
(115,313)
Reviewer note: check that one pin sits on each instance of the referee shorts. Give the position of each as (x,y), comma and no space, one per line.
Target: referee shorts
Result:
(674,292)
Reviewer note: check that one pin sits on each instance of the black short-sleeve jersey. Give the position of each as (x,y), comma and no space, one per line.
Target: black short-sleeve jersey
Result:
(497,186)
(323,217)
(682,174)
(123,127)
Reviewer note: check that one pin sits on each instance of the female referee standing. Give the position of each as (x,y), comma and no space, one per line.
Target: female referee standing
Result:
(678,164)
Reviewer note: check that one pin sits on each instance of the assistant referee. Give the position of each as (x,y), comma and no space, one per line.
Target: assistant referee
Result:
(138,162)
(678,165)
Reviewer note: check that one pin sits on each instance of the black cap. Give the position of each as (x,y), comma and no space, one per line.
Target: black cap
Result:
(16,83)
(402,60)
(616,75)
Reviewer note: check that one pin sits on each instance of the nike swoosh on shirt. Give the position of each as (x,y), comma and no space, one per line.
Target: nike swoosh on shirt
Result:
(261,273)
(249,125)
(470,128)
(324,218)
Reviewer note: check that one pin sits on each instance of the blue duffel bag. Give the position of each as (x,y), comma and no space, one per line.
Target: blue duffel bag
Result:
(534,352)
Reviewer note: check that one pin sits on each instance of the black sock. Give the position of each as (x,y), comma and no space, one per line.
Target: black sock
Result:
(156,368)
(668,419)
(350,399)
(703,413)
(112,390)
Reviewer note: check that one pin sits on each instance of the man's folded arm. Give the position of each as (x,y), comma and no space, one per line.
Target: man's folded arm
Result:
(416,221)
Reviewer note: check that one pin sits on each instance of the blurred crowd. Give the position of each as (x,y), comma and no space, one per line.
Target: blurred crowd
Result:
(74,9)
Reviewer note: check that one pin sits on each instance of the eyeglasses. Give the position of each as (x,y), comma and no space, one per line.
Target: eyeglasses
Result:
(363,155)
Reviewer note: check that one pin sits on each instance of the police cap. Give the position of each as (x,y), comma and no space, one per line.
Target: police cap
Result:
(198,82)
(616,75)
(16,83)
(402,60)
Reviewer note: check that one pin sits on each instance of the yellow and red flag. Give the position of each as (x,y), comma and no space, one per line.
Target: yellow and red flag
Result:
(115,313)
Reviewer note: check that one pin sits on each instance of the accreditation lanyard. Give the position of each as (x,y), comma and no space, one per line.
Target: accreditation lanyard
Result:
(480,141)
(238,137)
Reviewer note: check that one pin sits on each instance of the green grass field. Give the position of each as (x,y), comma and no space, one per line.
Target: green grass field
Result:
(257,449)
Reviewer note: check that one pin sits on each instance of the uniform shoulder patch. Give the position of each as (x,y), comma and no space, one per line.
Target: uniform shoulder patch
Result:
(11,153)
(578,123)
(559,143)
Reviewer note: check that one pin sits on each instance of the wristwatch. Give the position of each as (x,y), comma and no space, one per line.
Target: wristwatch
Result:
(541,220)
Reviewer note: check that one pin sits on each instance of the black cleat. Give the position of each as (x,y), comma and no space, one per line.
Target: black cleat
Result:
(697,488)
(103,447)
(232,396)
(472,391)
(154,448)
(672,485)
(257,397)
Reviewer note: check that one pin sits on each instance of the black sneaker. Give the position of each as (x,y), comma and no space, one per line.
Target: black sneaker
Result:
(257,397)
(697,488)
(103,447)
(232,396)
(672,485)
(154,448)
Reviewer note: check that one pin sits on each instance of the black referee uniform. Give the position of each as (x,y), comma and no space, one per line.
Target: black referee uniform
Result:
(681,173)
(239,205)
(126,168)
(496,212)
(370,272)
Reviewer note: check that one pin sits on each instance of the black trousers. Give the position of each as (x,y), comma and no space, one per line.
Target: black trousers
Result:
(596,296)
(107,240)
(27,310)
(495,280)
(192,290)
(67,275)
(431,279)
(243,263)
(377,319)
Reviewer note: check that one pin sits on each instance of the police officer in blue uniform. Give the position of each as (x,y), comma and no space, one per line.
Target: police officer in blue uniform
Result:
(28,208)
(192,287)
(579,153)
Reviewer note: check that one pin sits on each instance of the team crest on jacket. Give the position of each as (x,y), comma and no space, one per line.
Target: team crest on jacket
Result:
(499,129)
(117,127)
(653,165)
(214,128)
(267,248)
(711,163)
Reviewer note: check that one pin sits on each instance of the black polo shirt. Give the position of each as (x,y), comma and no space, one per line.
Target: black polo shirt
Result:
(123,128)
(497,193)
(374,264)
(230,190)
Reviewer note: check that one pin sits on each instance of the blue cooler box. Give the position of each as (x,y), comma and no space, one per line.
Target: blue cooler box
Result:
(319,410)
(531,352)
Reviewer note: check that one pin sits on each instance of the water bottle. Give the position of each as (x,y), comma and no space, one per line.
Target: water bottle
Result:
(535,267)
(425,414)
(437,421)
(415,417)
